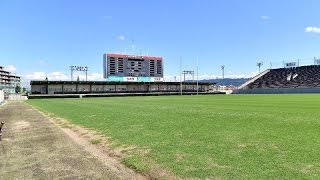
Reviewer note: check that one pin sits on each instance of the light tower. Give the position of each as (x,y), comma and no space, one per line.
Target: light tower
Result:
(222,68)
(259,64)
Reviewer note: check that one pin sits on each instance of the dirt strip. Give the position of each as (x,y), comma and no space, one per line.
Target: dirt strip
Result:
(33,147)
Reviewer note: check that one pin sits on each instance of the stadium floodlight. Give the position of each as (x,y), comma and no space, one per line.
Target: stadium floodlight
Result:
(259,64)
(188,72)
(79,68)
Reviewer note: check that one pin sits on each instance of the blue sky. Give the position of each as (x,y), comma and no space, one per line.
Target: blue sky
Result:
(42,38)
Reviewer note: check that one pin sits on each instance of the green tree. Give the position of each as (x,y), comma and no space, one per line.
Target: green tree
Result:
(18,88)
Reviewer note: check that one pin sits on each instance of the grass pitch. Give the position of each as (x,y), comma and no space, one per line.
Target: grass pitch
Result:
(236,136)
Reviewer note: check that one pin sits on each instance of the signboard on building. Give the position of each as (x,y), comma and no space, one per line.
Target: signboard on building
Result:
(291,64)
(130,79)
(156,79)
(115,78)
(134,79)
(144,79)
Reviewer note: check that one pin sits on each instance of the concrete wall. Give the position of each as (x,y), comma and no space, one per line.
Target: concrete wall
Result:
(1,96)
(17,97)
(277,91)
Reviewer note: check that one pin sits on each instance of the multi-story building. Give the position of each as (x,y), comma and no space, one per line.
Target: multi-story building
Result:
(8,81)
(135,68)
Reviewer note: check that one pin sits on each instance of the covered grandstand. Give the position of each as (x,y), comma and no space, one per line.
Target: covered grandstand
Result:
(107,88)
(304,79)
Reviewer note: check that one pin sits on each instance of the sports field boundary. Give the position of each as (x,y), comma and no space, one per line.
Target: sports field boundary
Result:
(47,96)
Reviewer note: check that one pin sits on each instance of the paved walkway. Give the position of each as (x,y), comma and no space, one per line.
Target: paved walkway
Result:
(32,147)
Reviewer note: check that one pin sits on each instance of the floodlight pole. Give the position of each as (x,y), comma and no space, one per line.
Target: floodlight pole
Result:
(222,68)
(86,72)
(188,72)
(71,69)
(197,75)
(180,77)
(259,64)
(79,68)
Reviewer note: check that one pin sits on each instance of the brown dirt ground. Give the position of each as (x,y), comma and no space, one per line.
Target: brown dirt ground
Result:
(33,146)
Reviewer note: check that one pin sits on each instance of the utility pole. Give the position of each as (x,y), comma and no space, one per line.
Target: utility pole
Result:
(259,64)
(86,69)
(71,70)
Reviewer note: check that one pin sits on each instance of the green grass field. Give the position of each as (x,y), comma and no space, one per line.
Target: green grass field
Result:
(208,136)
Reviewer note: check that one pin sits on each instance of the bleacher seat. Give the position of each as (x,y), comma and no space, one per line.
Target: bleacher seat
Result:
(296,77)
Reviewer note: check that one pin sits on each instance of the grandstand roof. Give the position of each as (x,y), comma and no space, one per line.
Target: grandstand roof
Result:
(115,83)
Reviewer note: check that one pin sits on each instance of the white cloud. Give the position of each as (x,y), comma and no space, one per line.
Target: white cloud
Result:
(122,37)
(312,29)
(264,17)
(10,68)
(92,77)
(57,76)
(234,75)
(35,76)
(42,62)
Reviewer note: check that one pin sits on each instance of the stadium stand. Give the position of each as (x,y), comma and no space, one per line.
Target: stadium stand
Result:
(295,77)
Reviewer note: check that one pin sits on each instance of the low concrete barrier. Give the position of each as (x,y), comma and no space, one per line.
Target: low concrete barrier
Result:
(17,97)
(42,96)
(277,91)
(1,96)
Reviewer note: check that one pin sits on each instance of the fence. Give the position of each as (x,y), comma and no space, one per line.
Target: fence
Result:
(277,91)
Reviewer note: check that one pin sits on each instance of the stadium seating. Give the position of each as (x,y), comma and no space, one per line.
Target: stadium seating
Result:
(295,77)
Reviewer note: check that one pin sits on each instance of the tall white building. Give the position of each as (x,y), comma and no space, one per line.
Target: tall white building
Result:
(8,81)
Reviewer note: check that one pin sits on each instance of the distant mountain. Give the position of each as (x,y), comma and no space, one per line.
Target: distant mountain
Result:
(227,81)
